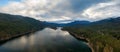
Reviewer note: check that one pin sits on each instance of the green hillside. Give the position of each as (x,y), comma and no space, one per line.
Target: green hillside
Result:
(103,36)
(13,25)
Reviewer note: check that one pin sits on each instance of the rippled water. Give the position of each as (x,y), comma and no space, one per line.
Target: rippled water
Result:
(47,40)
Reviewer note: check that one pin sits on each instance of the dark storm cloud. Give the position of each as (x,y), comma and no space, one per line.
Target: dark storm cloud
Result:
(80,5)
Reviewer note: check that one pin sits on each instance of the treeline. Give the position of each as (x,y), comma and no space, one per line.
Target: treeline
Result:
(104,35)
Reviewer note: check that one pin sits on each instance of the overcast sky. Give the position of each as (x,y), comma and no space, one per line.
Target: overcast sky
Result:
(60,10)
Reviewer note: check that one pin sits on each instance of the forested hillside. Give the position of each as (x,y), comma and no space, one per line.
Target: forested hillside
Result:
(103,36)
(13,25)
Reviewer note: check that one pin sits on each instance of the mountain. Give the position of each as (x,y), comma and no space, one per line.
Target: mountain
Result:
(102,36)
(102,23)
(111,23)
(109,26)
(78,23)
(108,21)
(74,23)
(15,25)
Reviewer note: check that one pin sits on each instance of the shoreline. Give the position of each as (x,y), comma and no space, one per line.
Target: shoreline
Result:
(4,40)
(83,39)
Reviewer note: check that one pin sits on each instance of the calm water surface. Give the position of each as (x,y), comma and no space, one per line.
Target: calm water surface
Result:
(47,40)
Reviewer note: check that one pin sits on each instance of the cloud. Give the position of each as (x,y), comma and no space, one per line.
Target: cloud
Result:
(80,5)
(103,10)
(39,9)
(55,10)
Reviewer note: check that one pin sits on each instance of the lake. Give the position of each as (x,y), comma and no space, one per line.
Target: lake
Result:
(46,40)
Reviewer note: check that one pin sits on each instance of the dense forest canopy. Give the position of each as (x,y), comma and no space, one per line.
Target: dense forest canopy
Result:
(104,35)
(14,24)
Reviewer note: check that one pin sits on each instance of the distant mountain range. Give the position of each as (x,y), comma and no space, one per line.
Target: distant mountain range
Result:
(16,18)
(110,21)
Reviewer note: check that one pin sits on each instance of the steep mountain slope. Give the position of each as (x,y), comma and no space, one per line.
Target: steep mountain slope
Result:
(13,25)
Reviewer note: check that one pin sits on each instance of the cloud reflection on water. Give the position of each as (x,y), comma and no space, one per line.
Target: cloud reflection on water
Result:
(45,40)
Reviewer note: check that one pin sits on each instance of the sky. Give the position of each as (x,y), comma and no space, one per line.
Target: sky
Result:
(62,10)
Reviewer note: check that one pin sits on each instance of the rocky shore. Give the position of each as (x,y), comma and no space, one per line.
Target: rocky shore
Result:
(83,39)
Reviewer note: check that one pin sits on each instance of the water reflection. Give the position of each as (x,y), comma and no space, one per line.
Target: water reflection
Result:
(47,40)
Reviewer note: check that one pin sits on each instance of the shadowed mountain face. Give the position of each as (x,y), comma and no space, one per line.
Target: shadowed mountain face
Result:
(13,25)
(108,21)
(108,24)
